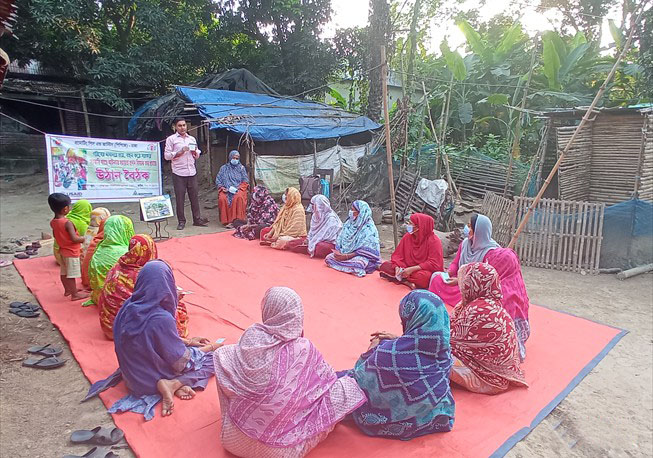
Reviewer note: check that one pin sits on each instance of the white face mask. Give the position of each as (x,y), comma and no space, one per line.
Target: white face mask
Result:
(235,162)
(466,230)
(283,198)
(351,214)
(409,228)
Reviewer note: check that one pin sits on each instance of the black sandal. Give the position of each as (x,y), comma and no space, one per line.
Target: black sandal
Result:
(47,362)
(97,436)
(45,350)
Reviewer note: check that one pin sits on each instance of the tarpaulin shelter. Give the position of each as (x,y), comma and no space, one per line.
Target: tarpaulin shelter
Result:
(281,138)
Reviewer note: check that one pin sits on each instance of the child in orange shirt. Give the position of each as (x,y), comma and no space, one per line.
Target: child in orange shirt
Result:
(70,245)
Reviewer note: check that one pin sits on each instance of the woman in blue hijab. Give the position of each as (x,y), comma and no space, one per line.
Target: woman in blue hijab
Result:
(232,183)
(406,378)
(358,249)
(155,363)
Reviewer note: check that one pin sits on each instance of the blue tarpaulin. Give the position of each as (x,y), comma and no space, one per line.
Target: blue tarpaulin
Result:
(269,118)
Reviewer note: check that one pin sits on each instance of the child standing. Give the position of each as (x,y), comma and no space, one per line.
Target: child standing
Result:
(70,245)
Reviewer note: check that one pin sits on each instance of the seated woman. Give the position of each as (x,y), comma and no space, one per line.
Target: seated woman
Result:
(483,338)
(406,378)
(232,182)
(417,256)
(90,251)
(120,281)
(290,223)
(480,247)
(357,250)
(325,227)
(80,216)
(98,215)
(118,231)
(261,213)
(278,396)
(155,363)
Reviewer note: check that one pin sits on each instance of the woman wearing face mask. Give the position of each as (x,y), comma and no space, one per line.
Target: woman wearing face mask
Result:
(232,183)
(290,223)
(325,227)
(478,246)
(357,247)
(417,256)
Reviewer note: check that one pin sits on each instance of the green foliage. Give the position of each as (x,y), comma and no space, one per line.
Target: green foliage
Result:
(551,60)
(454,62)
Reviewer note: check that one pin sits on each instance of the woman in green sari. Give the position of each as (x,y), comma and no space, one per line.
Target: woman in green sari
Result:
(118,230)
(80,216)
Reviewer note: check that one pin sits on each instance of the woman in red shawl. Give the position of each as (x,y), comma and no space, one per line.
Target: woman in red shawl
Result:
(417,256)
(483,337)
(120,281)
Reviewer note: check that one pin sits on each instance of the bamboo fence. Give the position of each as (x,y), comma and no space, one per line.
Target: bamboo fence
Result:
(501,212)
(476,176)
(645,190)
(574,172)
(561,234)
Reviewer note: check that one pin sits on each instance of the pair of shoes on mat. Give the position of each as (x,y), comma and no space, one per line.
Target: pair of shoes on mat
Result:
(48,357)
(97,436)
(202,222)
(24,309)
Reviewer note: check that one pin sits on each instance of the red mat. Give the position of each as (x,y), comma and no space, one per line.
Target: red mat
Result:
(229,278)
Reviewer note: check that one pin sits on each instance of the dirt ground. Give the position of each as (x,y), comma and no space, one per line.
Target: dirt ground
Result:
(609,414)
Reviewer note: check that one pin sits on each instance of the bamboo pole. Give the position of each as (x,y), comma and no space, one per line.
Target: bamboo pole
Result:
(86,121)
(61,119)
(450,181)
(580,127)
(388,144)
(520,117)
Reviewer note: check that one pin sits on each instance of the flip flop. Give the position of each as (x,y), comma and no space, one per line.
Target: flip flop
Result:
(45,350)
(24,306)
(24,313)
(5,263)
(47,362)
(97,436)
(95,452)
(21,256)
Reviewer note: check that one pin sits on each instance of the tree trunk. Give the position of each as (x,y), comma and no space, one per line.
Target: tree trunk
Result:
(410,78)
(379,18)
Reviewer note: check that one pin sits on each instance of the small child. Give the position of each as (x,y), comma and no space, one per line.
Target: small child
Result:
(70,245)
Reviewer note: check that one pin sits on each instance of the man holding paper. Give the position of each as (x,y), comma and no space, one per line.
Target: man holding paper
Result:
(181,149)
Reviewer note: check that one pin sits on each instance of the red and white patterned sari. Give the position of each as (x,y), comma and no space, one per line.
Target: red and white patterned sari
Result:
(483,336)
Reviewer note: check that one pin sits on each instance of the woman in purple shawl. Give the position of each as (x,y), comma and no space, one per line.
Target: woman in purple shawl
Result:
(154,361)
(232,183)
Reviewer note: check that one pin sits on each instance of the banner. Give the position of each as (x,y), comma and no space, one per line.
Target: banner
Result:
(103,170)
(280,172)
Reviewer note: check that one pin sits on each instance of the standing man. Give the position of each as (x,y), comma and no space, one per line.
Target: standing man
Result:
(182,150)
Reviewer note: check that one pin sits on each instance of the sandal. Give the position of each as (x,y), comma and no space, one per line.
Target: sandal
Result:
(5,263)
(21,255)
(97,436)
(25,313)
(47,362)
(45,350)
(24,306)
(95,452)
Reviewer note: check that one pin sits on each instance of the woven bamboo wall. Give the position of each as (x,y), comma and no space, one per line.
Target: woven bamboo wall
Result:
(501,212)
(646,170)
(574,171)
(616,147)
(562,235)
(476,176)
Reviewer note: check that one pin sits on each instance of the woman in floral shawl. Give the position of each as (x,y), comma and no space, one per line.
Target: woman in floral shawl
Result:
(98,215)
(261,213)
(120,281)
(80,216)
(406,378)
(279,398)
(483,338)
(90,251)
(325,227)
(118,231)
(358,249)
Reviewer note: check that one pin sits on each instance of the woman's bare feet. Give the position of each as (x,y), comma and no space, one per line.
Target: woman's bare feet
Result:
(167,389)
(185,393)
(79,295)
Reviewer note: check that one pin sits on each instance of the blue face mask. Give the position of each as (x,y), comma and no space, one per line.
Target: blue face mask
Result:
(409,228)
(235,162)
(283,198)
(466,231)
(351,214)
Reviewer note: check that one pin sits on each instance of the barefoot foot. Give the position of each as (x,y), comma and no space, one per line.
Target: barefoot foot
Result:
(185,392)
(167,389)
(79,295)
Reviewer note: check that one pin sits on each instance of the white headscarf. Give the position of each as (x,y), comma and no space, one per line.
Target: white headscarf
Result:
(325,223)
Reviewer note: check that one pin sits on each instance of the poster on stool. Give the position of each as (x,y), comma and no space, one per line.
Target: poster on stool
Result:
(103,170)
(156,208)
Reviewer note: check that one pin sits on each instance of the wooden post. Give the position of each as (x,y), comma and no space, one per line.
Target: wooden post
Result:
(580,127)
(207,135)
(88,125)
(314,155)
(388,144)
(61,119)
(539,157)
(445,158)
(640,161)
(517,136)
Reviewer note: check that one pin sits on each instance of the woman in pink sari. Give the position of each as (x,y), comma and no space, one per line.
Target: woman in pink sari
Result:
(278,396)
(479,246)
